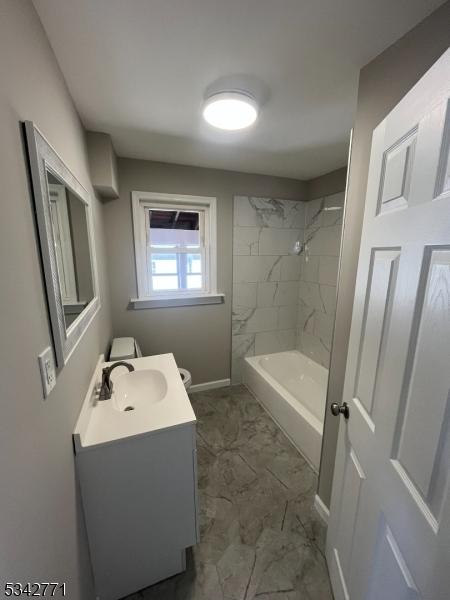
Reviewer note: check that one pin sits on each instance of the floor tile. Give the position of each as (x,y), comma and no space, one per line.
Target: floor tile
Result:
(261,538)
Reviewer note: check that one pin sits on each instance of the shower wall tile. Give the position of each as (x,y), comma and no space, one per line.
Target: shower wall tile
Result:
(251,211)
(280,293)
(287,292)
(310,296)
(323,226)
(314,213)
(282,301)
(266,293)
(287,317)
(265,276)
(317,289)
(323,328)
(310,268)
(248,269)
(306,318)
(246,241)
(275,242)
(334,200)
(242,345)
(251,320)
(290,268)
(274,341)
(244,294)
(324,240)
(328,295)
(328,268)
(312,345)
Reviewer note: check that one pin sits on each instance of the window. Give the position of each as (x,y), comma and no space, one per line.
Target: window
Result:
(175,250)
(175,246)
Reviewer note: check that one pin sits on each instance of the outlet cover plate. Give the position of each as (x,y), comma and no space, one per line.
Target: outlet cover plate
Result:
(48,372)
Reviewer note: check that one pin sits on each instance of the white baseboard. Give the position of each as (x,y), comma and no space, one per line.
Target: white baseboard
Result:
(324,512)
(209,385)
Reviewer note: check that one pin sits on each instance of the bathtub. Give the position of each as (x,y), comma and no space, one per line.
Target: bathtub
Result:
(292,388)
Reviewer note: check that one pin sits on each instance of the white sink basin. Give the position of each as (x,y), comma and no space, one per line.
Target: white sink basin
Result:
(138,389)
(143,401)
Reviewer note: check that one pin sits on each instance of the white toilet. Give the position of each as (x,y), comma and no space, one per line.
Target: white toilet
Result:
(186,378)
(124,348)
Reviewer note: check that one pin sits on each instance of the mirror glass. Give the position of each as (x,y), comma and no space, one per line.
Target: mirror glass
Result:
(63,214)
(69,221)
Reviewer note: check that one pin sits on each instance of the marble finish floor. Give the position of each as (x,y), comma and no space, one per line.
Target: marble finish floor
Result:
(260,536)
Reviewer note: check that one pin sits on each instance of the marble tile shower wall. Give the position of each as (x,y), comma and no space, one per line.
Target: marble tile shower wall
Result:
(266,277)
(319,272)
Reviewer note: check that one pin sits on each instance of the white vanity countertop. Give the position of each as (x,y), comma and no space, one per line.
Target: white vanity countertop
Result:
(101,422)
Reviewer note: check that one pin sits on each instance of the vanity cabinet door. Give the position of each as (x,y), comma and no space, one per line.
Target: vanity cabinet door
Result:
(140,503)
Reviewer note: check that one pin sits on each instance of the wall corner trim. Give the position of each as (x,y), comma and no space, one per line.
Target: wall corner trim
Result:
(322,510)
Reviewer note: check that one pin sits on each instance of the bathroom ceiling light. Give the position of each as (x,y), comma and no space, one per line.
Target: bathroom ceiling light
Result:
(230,110)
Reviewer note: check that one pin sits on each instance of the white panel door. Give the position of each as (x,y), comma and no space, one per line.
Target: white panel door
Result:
(389,532)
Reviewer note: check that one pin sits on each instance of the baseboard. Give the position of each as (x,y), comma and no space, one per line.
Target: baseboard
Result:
(209,385)
(323,511)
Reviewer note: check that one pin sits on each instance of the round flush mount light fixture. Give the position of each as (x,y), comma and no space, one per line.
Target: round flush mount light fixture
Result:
(231,111)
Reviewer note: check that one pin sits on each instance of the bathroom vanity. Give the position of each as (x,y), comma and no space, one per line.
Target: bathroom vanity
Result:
(136,463)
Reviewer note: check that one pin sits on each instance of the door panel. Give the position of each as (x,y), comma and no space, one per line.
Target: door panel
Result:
(380,288)
(443,178)
(389,530)
(422,433)
(396,173)
(353,480)
(390,578)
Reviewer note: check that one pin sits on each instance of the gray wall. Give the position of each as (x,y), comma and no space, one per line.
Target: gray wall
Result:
(328,184)
(383,82)
(199,336)
(41,525)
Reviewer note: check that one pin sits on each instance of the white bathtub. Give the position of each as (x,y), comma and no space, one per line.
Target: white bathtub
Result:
(292,388)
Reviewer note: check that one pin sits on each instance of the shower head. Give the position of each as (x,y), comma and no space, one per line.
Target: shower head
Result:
(297,248)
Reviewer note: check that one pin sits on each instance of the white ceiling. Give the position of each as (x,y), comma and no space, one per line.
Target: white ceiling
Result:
(138,70)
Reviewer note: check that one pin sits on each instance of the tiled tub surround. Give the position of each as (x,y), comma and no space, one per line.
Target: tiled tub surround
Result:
(265,276)
(282,301)
(318,280)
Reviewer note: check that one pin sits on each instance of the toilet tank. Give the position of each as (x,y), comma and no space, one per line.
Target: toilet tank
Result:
(124,348)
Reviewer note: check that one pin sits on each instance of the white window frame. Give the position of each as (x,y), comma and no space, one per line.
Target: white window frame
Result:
(63,242)
(206,205)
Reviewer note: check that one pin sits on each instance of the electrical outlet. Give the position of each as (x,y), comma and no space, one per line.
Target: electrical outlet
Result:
(48,373)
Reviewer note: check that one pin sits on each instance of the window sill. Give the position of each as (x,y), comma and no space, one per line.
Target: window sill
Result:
(174,301)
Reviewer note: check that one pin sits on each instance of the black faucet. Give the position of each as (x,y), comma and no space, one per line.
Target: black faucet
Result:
(107,386)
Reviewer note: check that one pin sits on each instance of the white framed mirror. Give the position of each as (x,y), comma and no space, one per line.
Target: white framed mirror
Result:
(66,239)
